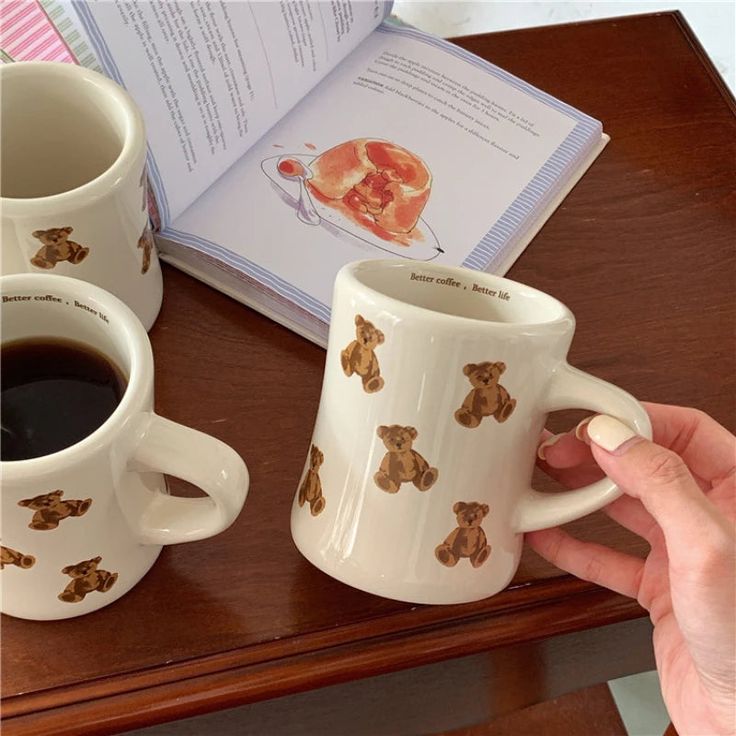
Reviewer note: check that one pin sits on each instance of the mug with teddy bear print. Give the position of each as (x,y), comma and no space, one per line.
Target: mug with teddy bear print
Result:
(73,197)
(84,515)
(437,385)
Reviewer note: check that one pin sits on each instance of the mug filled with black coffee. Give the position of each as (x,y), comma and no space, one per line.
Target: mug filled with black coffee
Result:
(85,508)
(55,392)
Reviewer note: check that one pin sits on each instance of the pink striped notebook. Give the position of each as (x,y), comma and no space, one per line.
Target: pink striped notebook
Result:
(27,33)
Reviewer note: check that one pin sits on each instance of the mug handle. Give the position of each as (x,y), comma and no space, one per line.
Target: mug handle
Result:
(571,388)
(206,462)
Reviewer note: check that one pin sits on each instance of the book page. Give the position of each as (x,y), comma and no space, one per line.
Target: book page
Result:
(212,77)
(412,148)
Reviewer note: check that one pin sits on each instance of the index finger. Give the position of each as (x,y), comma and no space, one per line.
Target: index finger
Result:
(707,448)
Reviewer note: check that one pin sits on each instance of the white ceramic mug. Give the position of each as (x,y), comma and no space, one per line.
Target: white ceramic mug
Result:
(80,527)
(438,382)
(73,183)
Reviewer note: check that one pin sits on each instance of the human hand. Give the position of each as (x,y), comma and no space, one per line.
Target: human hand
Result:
(680,496)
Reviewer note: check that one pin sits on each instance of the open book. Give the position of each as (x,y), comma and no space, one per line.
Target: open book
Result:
(289,138)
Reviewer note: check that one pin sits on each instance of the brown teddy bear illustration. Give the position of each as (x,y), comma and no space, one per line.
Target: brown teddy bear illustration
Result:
(57,247)
(311,489)
(146,242)
(10,556)
(468,539)
(402,464)
(86,578)
(488,397)
(50,509)
(358,357)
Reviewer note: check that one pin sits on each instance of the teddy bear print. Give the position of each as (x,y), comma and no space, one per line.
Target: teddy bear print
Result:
(146,243)
(50,509)
(57,248)
(86,578)
(487,398)
(468,539)
(10,556)
(359,357)
(311,489)
(402,464)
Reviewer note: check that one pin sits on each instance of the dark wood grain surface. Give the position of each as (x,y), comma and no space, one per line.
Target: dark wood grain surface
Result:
(424,700)
(642,251)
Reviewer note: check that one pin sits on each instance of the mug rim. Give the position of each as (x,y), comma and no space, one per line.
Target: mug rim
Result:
(124,106)
(351,271)
(140,373)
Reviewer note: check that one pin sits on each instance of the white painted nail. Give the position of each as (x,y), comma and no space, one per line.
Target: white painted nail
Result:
(551,440)
(609,433)
(581,426)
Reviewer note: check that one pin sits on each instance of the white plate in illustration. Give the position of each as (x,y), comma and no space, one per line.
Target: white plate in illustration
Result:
(423,245)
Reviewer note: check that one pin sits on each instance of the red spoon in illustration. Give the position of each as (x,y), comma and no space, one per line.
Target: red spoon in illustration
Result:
(291,168)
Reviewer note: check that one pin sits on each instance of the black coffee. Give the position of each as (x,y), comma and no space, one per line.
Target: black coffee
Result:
(54,394)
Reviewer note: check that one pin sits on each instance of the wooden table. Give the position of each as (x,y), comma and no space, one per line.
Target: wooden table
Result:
(643,253)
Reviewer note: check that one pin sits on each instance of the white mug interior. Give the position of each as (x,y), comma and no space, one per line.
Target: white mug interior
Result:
(456,292)
(56,136)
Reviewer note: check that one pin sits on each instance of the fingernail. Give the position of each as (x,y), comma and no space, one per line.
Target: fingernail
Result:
(551,440)
(610,433)
(579,433)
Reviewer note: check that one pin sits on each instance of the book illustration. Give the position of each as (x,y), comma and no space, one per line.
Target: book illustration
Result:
(57,248)
(375,177)
(10,556)
(146,243)
(364,190)
(359,356)
(291,168)
(49,509)
(86,578)
(487,397)
(401,463)
(467,540)
(310,490)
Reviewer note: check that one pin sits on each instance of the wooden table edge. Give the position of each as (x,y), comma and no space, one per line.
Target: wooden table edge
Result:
(703,57)
(140,699)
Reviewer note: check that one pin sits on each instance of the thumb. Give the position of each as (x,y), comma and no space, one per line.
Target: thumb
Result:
(661,480)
